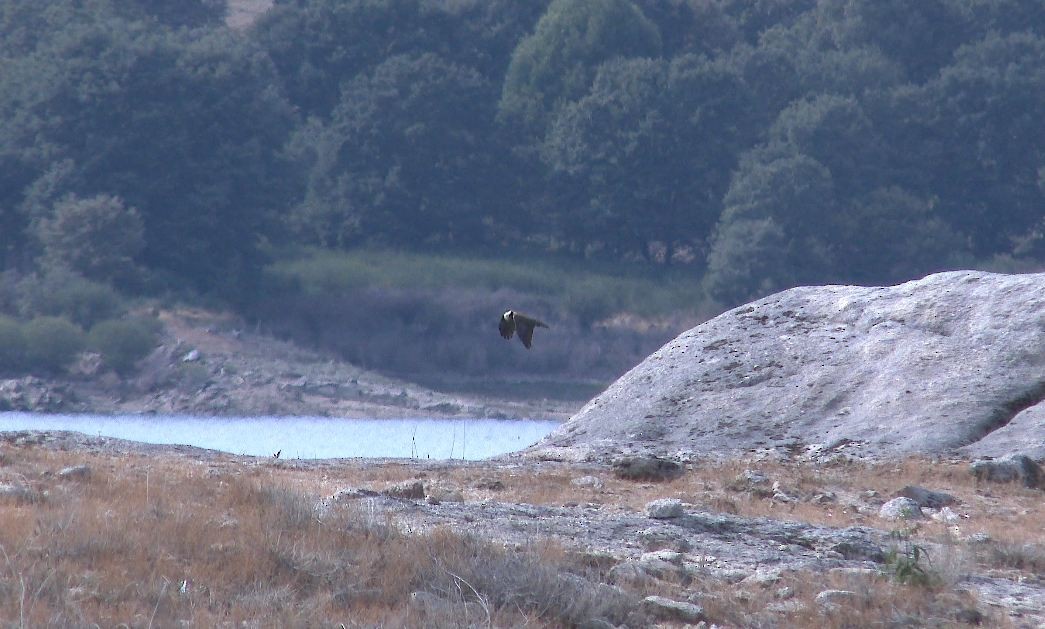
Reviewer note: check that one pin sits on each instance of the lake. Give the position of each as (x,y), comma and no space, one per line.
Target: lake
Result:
(305,437)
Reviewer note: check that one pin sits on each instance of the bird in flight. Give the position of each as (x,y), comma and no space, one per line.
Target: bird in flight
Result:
(512,322)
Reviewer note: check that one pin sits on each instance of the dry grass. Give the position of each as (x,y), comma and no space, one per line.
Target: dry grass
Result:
(161,540)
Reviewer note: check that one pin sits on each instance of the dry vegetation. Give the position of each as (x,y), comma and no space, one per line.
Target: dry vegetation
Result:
(159,540)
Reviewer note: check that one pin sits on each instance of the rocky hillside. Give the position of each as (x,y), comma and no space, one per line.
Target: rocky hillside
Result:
(210,363)
(954,362)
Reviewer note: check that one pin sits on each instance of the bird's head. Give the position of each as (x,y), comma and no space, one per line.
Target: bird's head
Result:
(508,315)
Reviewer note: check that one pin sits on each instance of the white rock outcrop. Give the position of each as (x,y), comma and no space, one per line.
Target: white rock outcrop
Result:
(954,362)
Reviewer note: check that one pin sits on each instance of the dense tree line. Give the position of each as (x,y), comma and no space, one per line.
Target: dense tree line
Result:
(765,143)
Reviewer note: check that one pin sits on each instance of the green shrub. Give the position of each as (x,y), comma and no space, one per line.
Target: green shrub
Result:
(51,343)
(99,236)
(12,345)
(62,293)
(122,343)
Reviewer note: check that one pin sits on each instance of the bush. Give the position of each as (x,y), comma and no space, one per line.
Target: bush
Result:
(63,293)
(52,343)
(12,345)
(99,236)
(122,343)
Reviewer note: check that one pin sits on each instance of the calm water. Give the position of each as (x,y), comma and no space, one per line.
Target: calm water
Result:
(305,437)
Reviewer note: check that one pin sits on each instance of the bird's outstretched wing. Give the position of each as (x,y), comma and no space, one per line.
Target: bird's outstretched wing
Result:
(507,327)
(525,326)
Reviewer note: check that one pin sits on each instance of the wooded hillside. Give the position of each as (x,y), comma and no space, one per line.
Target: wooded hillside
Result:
(756,144)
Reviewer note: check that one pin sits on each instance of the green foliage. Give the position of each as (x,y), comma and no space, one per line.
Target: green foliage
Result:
(12,345)
(909,562)
(99,237)
(556,64)
(761,143)
(410,133)
(184,126)
(62,293)
(123,342)
(51,343)
(320,272)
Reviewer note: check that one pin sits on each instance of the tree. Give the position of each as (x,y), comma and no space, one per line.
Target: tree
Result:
(320,45)
(186,127)
(836,132)
(777,228)
(557,63)
(975,131)
(890,235)
(653,144)
(99,237)
(749,260)
(921,36)
(403,160)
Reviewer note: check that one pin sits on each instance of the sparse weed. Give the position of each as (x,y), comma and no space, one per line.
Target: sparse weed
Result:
(909,562)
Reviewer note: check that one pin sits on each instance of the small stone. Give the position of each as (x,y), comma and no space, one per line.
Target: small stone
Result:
(946,515)
(856,572)
(646,468)
(408,490)
(664,509)
(830,599)
(442,493)
(970,616)
(632,573)
(490,484)
(1012,468)
(75,472)
(824,498)
(927,497)
(786,607)
(656,538)
(587,481)
(763,577)
(667,609)
(900,509)
(18,493)
(668,556)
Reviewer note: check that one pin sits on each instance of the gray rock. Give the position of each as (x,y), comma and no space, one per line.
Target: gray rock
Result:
(929,366)
(17,492)
(1025,435)
(664,509)
(660,539)
(587,481)
(409,490)
(900,509)
(926,497)
(786,607)
(1008,470)
(859,550)
(832,599)
(667,609)
(75,472)
(441,493)
(646,468)
(763,577)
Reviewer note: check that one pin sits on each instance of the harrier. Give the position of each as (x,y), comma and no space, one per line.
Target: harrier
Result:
(512,322)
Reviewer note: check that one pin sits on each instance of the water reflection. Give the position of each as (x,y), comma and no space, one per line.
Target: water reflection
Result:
(305,437)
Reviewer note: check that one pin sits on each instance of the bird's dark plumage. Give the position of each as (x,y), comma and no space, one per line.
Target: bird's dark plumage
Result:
(512,322)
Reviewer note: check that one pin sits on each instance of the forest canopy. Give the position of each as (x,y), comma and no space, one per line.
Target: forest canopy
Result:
(758,144)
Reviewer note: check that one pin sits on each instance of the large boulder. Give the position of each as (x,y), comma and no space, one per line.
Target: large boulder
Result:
(951,362)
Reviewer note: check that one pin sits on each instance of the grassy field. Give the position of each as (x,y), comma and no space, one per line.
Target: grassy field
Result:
(435,316)
(589,289)
(162,540)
